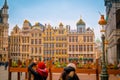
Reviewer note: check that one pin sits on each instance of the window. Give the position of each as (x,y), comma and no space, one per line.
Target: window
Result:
(87,47)
(69,47)
(16,31)
(76,47)
(35,34)
(84,38)
(52,45)
(40,50)
(39,34)
(22,48)
(87,38)
(32,35)
(56,38)
(118,18)
(27,48)
(39,41)
(69,39)
(80,47)
(91,39)
(72,47)
(91,47)
(84,47)
(22,40)
(28,39)
(32,41)
(76,38)
(72,38)
(57,45)
(35,41)
(80,30)
(32,50)
(35,50)
(50,33)
(52,52)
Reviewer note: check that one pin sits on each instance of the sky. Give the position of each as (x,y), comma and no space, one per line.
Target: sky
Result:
(55,11)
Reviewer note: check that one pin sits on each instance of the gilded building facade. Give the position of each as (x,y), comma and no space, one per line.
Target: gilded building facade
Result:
(55,43)
(45,42)
(36,46)
(4,32)
(113,30)
(81,43)
(26,43)
(14,42)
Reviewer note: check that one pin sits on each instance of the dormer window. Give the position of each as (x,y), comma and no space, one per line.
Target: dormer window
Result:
(80,30)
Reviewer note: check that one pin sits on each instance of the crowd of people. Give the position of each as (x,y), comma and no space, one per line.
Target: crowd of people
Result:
(5,64)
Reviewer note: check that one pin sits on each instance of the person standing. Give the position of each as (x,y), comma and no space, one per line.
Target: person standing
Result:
(41,73)
(6,65)
(69,73)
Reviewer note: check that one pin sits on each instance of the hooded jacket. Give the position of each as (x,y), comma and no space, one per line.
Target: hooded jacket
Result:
(67,70)
(39,74)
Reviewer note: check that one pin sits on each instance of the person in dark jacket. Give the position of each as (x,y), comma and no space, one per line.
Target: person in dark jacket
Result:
(69,73)
(40,73)
(6,65)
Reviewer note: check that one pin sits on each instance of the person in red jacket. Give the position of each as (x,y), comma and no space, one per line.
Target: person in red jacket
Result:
(41,73)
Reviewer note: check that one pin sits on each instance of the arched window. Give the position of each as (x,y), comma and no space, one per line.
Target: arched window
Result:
(84,47)
(118,19)
(32,50)
(118,41)
(118,50)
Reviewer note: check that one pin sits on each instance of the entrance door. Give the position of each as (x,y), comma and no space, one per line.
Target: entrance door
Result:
(118,50)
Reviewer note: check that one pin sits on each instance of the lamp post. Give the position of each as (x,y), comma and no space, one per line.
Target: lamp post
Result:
(104,74)
(106,51)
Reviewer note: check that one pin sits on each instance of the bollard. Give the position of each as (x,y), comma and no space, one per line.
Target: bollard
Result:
(18,76)
(9,73)
(97,72)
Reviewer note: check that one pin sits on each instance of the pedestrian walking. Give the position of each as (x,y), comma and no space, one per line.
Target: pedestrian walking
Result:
(69,73)
(40,73)
(6,65)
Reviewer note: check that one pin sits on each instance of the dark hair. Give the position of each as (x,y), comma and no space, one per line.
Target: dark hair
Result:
(69,69)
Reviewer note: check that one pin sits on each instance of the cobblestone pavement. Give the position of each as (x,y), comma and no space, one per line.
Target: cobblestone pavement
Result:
(4,76)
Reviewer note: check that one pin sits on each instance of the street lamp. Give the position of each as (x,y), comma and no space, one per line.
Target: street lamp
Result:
(106,48)
(104,74)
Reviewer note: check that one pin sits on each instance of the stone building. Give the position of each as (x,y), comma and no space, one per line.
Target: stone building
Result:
(81,43)
(113,30)
(55,43)
(4,25)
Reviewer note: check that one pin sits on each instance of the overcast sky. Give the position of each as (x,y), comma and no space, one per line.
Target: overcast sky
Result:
(55,11)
